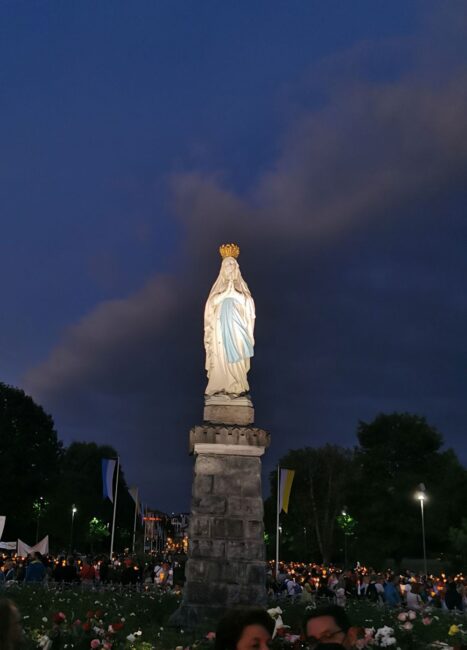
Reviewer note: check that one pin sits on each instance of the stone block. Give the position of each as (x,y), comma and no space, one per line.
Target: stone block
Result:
(234,572)
(227,528)
(208,465)
(229,414)
(200,527)
(208,505)
(228,484)
(253,595)
(254,530)
(233,594)
(256,574)
(247,507)
(195,570)
(207,548)
(251,487)
(241,550)
(203,485)
(218,592)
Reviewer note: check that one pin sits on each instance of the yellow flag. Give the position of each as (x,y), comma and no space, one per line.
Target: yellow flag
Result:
(286,479)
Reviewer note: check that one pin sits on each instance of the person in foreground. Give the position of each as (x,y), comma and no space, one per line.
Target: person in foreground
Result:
(329,628)
(11,635)
(244,628)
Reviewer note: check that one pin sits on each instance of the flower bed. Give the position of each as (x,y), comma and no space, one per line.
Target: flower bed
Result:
(56,619)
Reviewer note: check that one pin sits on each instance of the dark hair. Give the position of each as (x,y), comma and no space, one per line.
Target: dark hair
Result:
(334,611)
(10,630)
(230,627)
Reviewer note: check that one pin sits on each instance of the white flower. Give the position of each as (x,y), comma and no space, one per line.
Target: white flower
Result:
(44,642)
(132,614)
(274,612)
(138,633)
(412,615)
(131,638)
(45,619)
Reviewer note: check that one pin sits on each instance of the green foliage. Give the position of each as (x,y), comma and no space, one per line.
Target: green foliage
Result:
(458,540)
(40,507)
(97,529)
(378,481)
(30,456)
(40,481)
(318,494)
(397,452)
(347,523)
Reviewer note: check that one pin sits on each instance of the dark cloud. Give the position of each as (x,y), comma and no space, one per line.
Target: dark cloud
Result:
(354,315)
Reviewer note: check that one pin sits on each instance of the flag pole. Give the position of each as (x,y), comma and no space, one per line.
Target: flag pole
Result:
(277,518)
(115,511)
(134,523)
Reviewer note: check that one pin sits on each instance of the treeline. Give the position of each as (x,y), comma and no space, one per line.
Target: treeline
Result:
(361,502)
(41,481)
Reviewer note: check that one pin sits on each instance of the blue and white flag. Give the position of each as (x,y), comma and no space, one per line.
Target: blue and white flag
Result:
(108,468)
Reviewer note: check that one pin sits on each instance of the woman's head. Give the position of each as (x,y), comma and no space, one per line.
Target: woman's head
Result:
(10,629)
(248,628)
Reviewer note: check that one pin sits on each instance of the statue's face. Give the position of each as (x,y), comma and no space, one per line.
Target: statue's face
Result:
(229,266)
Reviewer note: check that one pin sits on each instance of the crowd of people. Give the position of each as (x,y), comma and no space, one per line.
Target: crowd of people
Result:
(93,571)
(299,581)
(310,582)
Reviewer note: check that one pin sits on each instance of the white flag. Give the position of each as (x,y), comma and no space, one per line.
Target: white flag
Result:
(42,547)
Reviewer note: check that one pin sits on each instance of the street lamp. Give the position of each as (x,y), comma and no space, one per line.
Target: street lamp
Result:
(74,510)
(422,496)
(344,514)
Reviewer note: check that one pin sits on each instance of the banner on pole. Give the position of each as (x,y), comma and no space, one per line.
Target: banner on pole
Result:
(108,468)
(2,524)
(134,495)
(8,546)
(42,547)
(286,479)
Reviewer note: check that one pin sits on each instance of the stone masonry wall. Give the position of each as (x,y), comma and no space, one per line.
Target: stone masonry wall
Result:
(226,564)
(226,559)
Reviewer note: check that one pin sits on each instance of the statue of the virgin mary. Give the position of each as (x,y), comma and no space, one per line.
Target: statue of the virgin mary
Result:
(229,320)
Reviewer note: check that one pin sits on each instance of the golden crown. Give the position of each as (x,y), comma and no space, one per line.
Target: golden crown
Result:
(229,250)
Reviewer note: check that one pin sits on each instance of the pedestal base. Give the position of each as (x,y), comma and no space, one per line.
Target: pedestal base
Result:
(220,409)
(226,559)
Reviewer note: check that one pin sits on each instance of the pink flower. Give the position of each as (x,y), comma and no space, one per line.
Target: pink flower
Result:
(95,643)
(426,620)
(210,636)
(408,625)
(402,616)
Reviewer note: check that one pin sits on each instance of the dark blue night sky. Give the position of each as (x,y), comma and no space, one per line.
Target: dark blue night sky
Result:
(329,139)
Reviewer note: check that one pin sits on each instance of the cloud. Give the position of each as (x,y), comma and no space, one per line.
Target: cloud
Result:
(376,154)
(101,342)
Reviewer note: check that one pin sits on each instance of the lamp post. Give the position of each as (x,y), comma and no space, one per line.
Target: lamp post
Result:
(74,510)
(421,496)
(344,514)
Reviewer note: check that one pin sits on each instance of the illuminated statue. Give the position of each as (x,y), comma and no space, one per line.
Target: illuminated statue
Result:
(229,320)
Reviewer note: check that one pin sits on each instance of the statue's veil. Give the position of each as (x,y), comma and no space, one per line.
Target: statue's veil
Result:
(221,282)
(219,286)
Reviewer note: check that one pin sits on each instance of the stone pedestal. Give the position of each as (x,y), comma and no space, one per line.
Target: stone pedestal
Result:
(226,559)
